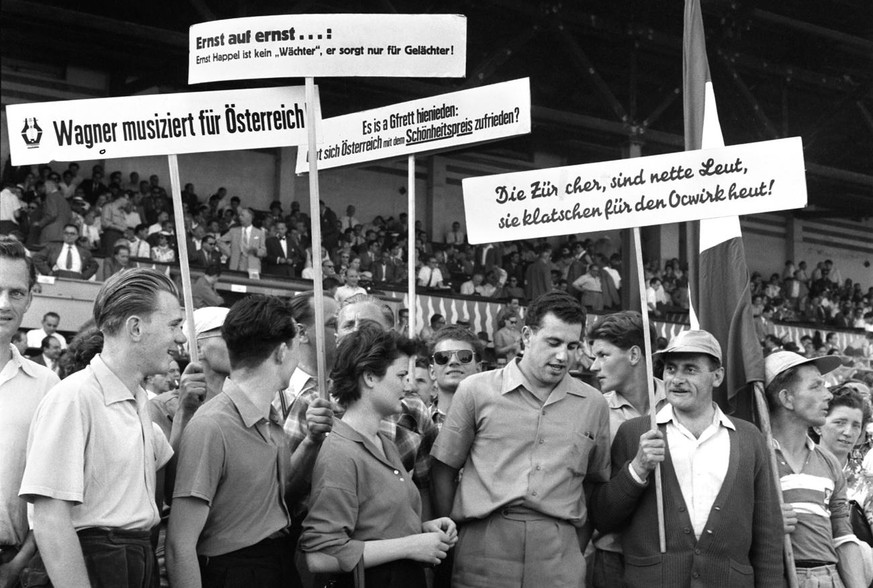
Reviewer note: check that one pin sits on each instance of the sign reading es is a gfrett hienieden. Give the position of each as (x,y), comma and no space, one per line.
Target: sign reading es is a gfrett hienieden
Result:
(159,124)
(639,192)
(486,113)
(328,45)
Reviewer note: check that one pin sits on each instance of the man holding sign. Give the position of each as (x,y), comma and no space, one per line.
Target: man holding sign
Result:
(528,436)
(722,512)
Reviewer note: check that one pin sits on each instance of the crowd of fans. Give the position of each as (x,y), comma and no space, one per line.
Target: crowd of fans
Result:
(123,219)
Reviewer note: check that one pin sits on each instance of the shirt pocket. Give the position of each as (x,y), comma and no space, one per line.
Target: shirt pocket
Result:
(580,450)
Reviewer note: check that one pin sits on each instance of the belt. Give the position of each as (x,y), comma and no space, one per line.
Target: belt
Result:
(811,563)
(523,513)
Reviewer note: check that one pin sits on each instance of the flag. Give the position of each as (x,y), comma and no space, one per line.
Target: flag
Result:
(719,288)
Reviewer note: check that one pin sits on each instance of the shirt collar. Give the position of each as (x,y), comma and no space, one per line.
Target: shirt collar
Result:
(114,390)
(615,400)
(810,444)
(513,378)
(247,409)
(28,367)
(665,415)
(299,380)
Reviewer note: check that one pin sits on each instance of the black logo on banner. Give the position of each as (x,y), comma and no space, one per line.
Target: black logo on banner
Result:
(31,133)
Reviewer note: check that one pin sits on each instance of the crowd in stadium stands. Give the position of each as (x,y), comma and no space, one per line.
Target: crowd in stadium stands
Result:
(67,220)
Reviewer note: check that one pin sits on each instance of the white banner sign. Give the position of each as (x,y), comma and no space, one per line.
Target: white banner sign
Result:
(160,124)
(656,190)
(460,118)
(328,45)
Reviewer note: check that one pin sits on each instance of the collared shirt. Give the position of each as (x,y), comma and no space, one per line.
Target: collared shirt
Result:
(412,430)
(234,456)
(140,248)
(114,217)
(358,495)
(35,337)
(818,495)
(429,277)
(75,260)
(519,449)
(700,463)
(22,385)
(87,445)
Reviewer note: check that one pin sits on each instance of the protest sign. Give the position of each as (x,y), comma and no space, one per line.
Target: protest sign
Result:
(430,124)
(156,124)
(661,189)
(327,45)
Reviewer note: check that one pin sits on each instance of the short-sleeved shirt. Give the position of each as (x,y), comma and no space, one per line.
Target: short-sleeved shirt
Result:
(818,495)
(22,385)
(412,430)
(86,446)
(358,495)
(518,449)
(236,460)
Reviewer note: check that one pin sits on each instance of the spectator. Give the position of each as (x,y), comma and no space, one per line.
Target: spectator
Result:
(139,314)
(162,252)
(538,276)
(235,516)
(56,215)
(721,462)
(50,323)
(469,288)
(113,222)
(822,537)
(591,287)
(348,474)
(50,351)
(350,288)
(430,276)
(281,257)
(67,259)
(157,384)
(507,340)
(139,246)
(204,292)
(437,322)
(208,253)
(496,419)
(419,383)
(119,261)
(245,245)
(349,221)
(23,386)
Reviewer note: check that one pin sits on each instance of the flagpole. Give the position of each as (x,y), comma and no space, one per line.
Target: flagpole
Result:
(650,380)
(315,217)
(182,246)
(764,416)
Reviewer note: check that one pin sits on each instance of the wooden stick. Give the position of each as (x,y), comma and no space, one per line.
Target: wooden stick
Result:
(650,380)
(764,415)
(315,216)
(410,236)
(182,245)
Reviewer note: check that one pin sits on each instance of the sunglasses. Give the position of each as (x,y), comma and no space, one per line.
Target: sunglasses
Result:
(443,357)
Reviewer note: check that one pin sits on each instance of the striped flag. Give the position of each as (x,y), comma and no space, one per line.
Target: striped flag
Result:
(718,276)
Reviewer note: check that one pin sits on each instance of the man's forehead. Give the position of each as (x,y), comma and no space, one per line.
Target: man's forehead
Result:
(450,344)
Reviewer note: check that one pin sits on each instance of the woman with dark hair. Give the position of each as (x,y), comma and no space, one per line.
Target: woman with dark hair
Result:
(366,511)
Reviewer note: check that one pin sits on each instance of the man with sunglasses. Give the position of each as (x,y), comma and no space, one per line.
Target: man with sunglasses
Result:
(455,353)
(66,259)
(528,436)
(507,340)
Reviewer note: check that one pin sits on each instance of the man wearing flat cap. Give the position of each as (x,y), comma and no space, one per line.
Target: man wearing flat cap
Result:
(722,520)
(826,552)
